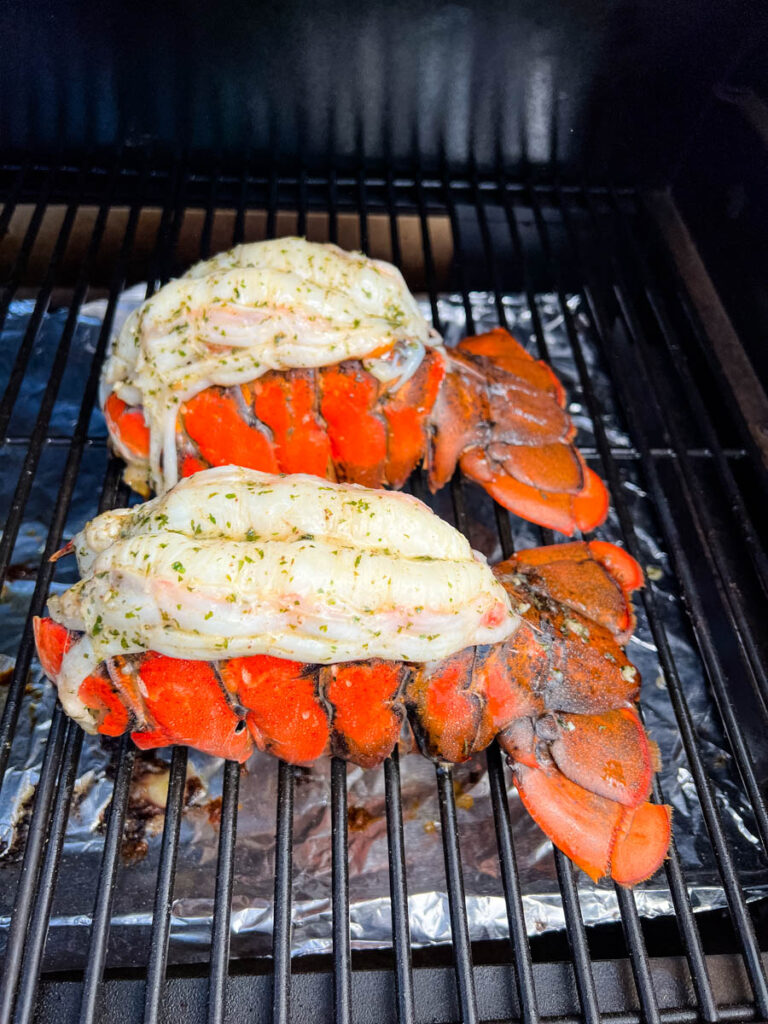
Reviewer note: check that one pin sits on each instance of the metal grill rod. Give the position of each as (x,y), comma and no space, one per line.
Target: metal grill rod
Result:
(342,957)
(526,988)
(222,907)
(577,936)
(15,689)
(105,889)
(515,914)
(462,950)
(333,226)
(161,913)
(102,912)
(42,301)
(398,889)
(683,912)
(728,587)
(210,211)
(665,1016)
(281,927)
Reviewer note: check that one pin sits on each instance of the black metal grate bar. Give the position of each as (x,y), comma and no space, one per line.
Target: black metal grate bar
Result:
(462,951)
(161,915)
(272,200)
(362,212)
(41,307)
(281,933)
(708,535)
(429,262)
(102,911)
(210,213)
(696,611)
(577,939)
(398,889)
(512,892)
(100,927)
(333,207)
(222,914)
(515,914)
(238,233)
(168,233)
(729,588)
(15,690)
(301,204)
(526,990)
(342,957)
(222,907)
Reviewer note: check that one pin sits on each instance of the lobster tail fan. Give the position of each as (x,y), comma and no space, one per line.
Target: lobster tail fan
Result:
(558,510)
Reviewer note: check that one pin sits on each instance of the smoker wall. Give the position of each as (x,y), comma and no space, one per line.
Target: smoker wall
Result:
(605,88)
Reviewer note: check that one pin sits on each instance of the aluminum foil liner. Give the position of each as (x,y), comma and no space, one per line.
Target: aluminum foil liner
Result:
(369,880)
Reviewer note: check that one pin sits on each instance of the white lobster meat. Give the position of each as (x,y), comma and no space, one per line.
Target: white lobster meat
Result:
(233,562)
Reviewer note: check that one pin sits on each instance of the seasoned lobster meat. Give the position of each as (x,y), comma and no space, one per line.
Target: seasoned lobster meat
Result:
(290,356)
(306,618)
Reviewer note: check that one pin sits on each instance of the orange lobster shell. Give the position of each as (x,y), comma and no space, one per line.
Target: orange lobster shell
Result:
(559,694)
(486,406)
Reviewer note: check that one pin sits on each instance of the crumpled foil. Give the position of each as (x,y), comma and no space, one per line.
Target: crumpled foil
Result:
(369,879)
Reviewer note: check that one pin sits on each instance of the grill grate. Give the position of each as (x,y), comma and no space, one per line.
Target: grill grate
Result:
(600,244)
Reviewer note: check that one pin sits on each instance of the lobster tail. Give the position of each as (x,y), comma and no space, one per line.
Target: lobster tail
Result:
(486,406)
(558,693)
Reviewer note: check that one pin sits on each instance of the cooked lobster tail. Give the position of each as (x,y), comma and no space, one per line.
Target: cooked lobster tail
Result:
(486,406)
(559,694)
